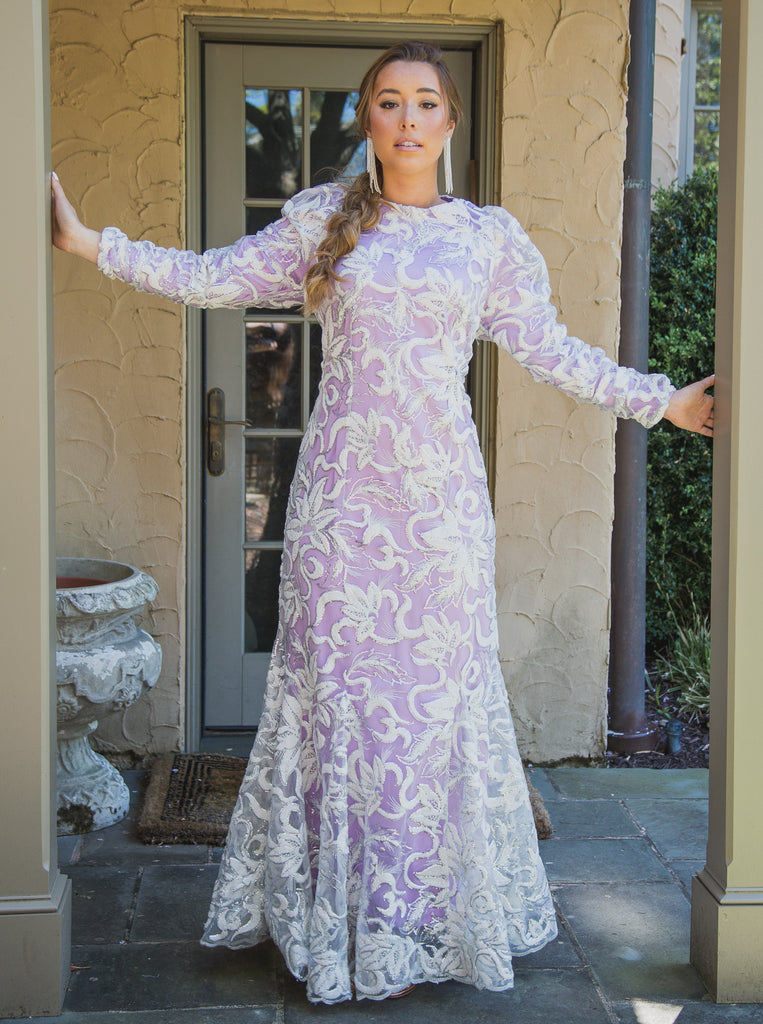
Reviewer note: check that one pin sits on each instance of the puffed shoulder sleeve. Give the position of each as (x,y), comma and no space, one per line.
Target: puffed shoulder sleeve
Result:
(519,317)
(263,269)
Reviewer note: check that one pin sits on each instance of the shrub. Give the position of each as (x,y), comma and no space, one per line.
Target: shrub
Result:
(681,344)
(687,667)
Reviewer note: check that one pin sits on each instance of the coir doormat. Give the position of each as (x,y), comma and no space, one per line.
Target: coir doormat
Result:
(190,798)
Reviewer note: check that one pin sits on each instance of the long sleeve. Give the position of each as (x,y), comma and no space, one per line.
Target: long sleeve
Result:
(263,269)
(520,318)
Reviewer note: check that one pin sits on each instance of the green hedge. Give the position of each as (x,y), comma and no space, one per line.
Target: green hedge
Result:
(681,344)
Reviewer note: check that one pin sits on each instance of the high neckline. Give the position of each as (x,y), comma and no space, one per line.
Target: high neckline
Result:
(447,203)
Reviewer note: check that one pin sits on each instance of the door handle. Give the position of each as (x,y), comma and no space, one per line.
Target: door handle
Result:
(216,424)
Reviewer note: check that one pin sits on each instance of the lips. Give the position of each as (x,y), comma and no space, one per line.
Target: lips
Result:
(408,144)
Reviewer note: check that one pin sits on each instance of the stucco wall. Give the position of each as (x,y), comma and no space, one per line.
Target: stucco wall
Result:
(669,31)
(563,149)
(118,149)
(117,90)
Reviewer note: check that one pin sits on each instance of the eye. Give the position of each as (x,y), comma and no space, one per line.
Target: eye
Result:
(429,105)
(387,104)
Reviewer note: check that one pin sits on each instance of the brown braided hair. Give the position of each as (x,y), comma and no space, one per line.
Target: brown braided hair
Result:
(361,208)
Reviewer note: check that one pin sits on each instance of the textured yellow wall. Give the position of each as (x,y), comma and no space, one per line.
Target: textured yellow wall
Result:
(563,149)
(667,90)
(118,148)
(117,87)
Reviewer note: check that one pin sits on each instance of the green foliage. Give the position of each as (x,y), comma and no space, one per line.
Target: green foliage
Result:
(687,666)
(679,476)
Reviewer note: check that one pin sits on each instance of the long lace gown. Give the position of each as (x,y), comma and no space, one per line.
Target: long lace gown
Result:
(383,834)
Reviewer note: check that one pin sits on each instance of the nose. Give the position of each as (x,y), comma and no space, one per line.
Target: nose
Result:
(408,117)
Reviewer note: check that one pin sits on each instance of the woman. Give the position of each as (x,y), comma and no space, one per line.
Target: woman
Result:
(383,835)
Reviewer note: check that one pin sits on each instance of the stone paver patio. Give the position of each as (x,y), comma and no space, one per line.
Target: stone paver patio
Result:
(626,843)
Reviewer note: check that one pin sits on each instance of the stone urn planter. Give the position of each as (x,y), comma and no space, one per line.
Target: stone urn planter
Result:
(104,662)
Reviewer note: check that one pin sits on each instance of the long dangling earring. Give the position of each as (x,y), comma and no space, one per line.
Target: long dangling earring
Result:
(448,167)
(371,165)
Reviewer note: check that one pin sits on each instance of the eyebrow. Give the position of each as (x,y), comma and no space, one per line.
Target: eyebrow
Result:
(398,93)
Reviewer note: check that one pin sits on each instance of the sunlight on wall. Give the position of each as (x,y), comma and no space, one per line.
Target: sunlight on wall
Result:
(667,90)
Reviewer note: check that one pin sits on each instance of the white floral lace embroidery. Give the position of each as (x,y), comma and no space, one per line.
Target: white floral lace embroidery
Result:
(383,834)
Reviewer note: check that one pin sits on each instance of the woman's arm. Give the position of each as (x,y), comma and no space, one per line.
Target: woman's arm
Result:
(518,316)
(265,269)
(69,234)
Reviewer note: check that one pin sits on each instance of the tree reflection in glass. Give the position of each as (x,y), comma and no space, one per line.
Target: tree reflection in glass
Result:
(274,149)
(273,375)
(335,149)
(273,143)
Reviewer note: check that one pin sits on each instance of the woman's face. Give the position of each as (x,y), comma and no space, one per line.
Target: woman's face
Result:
(409,119)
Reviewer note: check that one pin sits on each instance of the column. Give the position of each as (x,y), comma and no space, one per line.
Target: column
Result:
(35,899)
(727,895)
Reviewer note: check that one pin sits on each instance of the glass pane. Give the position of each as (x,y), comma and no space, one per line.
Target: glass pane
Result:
(268,472)
(273,375)
(261,577)
(708,87)
(316,360)
(258,217)
(273,143)
(334,146)
(706,125)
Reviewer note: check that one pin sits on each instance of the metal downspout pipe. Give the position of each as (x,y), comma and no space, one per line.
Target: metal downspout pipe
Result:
(628,729)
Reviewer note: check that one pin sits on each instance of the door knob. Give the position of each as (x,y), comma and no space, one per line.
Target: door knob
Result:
(216,424)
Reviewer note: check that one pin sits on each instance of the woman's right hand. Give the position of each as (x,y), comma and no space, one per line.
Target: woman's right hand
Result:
(69,233)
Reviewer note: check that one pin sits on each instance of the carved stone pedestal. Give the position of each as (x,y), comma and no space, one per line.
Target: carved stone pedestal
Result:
(104,662)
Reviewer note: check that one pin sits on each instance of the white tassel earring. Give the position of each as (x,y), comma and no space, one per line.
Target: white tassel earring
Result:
(371,165)
(448,167)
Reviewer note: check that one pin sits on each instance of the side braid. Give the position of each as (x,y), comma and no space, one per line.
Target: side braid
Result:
(360,211)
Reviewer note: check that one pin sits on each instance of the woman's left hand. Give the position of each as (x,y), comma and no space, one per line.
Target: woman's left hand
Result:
(691,408)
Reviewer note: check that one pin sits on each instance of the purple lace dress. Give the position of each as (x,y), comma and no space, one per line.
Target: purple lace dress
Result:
(383,834)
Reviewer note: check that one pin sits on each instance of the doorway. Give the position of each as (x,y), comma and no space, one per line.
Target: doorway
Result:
(278,118)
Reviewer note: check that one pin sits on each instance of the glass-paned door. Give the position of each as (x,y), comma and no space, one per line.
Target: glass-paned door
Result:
(277,120)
